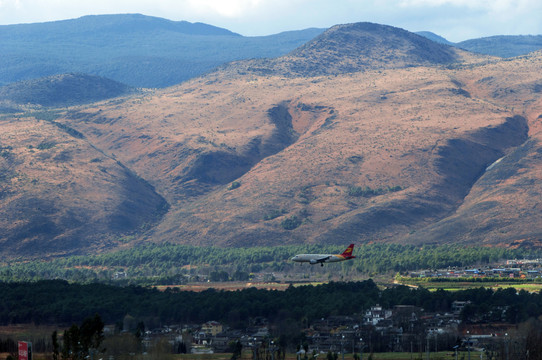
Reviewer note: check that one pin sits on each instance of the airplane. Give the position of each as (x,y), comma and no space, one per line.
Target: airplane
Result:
(323,258)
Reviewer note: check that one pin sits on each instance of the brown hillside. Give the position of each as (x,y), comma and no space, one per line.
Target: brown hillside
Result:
(383,152)
(301,147)
(61,195)
(502,207)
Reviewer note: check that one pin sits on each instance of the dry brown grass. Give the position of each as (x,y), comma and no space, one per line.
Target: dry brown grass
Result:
(59,192)
(391,122)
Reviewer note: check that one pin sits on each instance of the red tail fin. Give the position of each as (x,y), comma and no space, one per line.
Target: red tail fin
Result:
(348,252)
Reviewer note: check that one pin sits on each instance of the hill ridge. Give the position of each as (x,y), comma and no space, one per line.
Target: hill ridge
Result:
(63,90)
(503,45)
(134,49)
(355,47)
(130,22)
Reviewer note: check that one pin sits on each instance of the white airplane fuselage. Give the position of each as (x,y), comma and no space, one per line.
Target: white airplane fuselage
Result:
(323,258)
(317,258)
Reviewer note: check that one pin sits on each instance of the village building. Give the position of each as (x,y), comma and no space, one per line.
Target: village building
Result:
(212,328)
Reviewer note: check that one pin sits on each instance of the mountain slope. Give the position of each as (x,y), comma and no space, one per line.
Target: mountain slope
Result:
(356,47)
(60,195)
(145,51)
(503,45)
(371,46)
(63,90)
(377,152)
(502,206)
(259,153)
(110,24)
(434,37)
(137,50)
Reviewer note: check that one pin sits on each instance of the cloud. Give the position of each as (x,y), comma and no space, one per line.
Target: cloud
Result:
(454,19)
(232,8)
(472,4)
(463,19)
(500,8)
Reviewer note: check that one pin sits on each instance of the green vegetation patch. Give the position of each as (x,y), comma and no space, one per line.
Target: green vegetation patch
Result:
(5,153)
(274,214)
(46,145)
(68,303)
(43,115)
(291,223)
(358,191)
(463,283)
(51,116)
(169,263)
(234,185)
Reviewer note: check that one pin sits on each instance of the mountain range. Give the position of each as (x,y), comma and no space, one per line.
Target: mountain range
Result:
(137,50)
(150,52)
(366,133)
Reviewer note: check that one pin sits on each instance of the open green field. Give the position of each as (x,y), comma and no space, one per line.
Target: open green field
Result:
(237,285)
(463,285)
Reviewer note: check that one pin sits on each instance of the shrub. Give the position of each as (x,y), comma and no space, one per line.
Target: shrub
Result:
(359,191)
(355,159)
(394,188)
(46,145)
(234,185)
(290,223)
(274,214)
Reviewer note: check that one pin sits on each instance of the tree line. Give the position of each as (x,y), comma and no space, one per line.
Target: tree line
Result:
(59,302)
(170,264)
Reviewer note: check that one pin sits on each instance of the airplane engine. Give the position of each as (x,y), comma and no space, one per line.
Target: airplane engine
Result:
(313,262)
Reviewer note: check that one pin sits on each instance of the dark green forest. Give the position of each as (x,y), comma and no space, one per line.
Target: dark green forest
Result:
(170,264)
(59,302)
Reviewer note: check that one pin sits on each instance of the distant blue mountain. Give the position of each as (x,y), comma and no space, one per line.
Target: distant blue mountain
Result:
(138,50)
(92,25)
(434,37)
(502,45)
(151,52)
(62,90)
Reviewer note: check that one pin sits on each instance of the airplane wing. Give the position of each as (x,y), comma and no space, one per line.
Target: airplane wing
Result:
(320,260)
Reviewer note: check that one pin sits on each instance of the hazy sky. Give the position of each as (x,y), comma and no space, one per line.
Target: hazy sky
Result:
(456,20)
